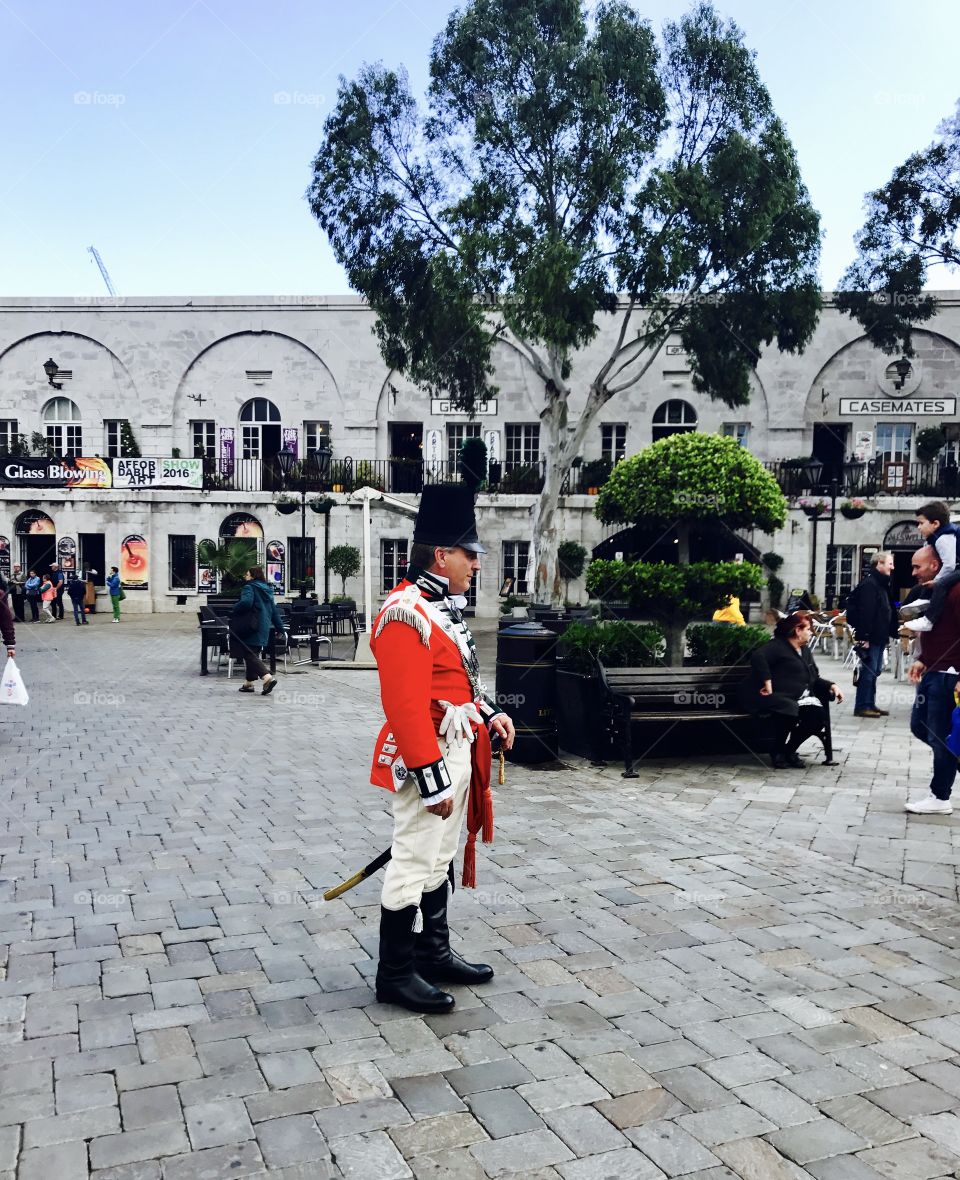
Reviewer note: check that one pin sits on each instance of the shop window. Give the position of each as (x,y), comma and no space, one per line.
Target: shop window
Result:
(673,417)
(203,437)
(738,430)
(522,444)
(457,434)
(515,560)
(182,562)
(393,563)
(8,435)
(63,426)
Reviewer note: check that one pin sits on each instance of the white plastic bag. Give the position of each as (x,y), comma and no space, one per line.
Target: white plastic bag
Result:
(12,690)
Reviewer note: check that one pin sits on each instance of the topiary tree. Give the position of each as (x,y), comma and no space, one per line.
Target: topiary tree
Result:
(344,560)
(678,482)
(128,442)
(571,558)
(472,462)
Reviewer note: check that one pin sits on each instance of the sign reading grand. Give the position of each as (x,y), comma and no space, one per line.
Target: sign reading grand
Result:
(908,407)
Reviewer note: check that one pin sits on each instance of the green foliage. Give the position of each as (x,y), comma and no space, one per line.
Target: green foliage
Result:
(930,442)
(344,560)
(672,593)
(773,561)
(19,446)
(571,558)
(912,224)
(617,644)
(39,445)
(693,477)
(713,645)
(595,473)
(511,601)
(472,462)
(128,443)
(526,479)
(775,588)
(367,475)
(231,559)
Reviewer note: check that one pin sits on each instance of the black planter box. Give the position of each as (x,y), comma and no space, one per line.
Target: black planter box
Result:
(580,716)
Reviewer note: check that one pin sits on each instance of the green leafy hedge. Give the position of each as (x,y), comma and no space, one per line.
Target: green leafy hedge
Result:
(618,644)
(672,592)
(713,645)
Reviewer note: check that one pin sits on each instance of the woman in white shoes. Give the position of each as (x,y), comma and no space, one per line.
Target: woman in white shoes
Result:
(253,617)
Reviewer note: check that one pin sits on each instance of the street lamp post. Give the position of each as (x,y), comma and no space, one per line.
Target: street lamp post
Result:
(813,470)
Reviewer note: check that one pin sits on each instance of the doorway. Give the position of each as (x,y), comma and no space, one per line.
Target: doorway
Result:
(93,556)
(830,447)
(406,456)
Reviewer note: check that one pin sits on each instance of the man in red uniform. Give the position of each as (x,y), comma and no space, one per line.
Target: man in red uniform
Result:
(433,752)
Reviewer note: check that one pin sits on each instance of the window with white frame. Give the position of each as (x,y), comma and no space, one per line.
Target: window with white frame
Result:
(613,441)
(515,560)
(393,562)
(673,417)
(112,431)
(313,432)
(8,435)
(840,567)
(63,426)
(257,413)
(182,563)
(894,441)
(522,444)
(457,435)
(738,430)
(203,438)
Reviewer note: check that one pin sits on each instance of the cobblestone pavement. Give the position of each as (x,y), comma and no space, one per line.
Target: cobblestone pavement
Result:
(765,995)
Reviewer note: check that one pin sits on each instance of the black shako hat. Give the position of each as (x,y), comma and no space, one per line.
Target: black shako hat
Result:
(447,517)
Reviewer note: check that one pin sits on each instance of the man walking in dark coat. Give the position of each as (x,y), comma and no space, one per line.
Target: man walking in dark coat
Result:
(875,625)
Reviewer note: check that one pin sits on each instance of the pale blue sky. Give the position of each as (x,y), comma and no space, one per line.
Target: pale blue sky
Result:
(177,136)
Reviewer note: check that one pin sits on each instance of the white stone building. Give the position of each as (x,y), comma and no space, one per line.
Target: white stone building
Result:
(238,380)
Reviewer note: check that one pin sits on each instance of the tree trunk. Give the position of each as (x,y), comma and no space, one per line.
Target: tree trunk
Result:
(673,633)
(546,584)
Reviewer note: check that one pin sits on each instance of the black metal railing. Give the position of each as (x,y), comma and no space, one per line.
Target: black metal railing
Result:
(388,475)
(875,478)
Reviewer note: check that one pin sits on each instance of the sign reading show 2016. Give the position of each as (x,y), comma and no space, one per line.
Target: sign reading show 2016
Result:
(908,406)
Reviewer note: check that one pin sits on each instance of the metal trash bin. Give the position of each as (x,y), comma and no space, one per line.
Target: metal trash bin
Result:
(527,689)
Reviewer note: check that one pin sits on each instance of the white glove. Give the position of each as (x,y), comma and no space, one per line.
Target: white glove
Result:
(455,725)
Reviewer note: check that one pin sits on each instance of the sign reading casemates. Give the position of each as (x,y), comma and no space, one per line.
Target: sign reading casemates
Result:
(907,407)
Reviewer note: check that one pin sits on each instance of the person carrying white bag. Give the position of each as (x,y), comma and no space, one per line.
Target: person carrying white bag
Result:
(12,690)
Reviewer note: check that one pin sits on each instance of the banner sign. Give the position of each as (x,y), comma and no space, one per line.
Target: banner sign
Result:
(5,556)
(939,407)
(16,471)
(134,563)
(157,473)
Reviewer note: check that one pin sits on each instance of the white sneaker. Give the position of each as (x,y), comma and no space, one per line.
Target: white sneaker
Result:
(930,805)
(923,624)
(913,609)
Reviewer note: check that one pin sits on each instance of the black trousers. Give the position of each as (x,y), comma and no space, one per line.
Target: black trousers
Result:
(34,608)
(792,732)
(57,605)
(17,603)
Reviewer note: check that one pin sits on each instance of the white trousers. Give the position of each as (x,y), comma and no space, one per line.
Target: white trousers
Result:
(423,843)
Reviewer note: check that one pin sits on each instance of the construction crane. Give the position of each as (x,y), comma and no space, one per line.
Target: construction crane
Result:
(103,270)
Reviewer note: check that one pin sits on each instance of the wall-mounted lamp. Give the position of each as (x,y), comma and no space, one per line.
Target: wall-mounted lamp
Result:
(197,397)
(903,369)
(51,368)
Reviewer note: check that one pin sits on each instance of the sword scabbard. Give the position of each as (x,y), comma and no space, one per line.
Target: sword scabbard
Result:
(331,894)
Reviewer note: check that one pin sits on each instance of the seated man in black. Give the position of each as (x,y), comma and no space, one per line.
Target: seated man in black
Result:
(786,683)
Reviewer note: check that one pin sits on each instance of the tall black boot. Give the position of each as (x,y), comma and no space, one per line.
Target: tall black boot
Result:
(435,960)
(397,978)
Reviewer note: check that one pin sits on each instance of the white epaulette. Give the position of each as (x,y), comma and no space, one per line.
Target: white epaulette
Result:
(402,608)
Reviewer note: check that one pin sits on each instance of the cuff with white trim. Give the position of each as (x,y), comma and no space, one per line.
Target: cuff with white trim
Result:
(433,781)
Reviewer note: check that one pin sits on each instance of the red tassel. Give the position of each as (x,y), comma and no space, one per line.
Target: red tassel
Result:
(469,879)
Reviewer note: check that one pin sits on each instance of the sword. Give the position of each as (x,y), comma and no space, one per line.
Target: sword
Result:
(375,865)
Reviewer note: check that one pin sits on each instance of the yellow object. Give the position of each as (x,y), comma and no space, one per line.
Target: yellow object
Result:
(502,776)
(730,613)
(354,880)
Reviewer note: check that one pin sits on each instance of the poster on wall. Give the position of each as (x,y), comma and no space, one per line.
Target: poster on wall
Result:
(67,554)
(33,522)
(433,446)
(276,561)
(863,445)
(291,440)
(226,450)
(241,524)
(491,440)
(5,556)
(158,473)
(206,574)
(134,563)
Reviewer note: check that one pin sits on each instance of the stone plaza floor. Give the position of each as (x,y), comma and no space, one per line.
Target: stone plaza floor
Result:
(710,971)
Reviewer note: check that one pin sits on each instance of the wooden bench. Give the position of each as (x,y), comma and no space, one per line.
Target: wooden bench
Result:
(637,699)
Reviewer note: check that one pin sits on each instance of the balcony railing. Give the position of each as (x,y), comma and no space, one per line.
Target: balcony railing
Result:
(388,475)
(876,478)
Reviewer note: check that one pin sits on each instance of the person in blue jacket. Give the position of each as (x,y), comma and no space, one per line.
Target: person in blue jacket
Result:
(253,617)
(113,586)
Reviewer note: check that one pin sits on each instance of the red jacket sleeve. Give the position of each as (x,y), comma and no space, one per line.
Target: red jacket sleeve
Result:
(405,665)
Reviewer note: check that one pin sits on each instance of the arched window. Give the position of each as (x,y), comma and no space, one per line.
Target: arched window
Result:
(673,417)
(63,426)
(259,429)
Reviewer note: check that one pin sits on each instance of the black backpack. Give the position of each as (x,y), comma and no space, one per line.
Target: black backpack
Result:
(855,606)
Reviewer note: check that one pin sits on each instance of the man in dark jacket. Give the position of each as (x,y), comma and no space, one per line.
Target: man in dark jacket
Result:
(875,625)
(7,631)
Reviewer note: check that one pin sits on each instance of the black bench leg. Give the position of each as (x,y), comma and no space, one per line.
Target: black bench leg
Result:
(626,745)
